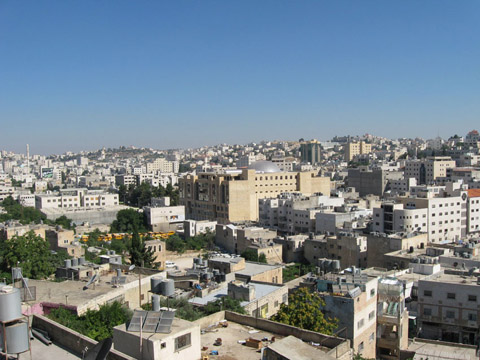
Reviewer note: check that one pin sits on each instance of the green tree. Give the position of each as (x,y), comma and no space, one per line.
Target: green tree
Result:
(176,243)
(127,220)
(304,310)
(262,258)
(93,237)
(26,215)
(250,255)
(140,254)
(96,324)
(30,252)
(225,303)
(64,222)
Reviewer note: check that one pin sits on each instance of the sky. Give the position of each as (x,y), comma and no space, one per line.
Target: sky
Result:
(80,75)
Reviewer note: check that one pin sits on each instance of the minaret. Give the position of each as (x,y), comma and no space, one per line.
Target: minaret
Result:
(28,158)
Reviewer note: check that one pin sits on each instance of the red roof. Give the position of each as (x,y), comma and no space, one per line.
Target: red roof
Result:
(473,193)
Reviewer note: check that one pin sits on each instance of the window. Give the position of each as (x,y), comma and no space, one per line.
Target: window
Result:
(371,337)
(360,347)
(472,317)
(360,323)
(450,314)
(371,315)
(472,297)
(372,292)
(427,292)
(450,295)
(427,311)
(183,341)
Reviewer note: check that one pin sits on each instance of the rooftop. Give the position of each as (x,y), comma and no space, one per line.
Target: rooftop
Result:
(253,268)
(294,348)
(231,335)
(261,290)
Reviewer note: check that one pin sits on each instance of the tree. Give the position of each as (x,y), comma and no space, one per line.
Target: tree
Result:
(225,303)
(96,324)
(30,252)
(304,310)
(140,254)
(26,215)
(127,220)
(262,258)
(64,222)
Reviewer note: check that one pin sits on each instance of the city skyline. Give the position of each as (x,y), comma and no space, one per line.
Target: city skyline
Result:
(86,75)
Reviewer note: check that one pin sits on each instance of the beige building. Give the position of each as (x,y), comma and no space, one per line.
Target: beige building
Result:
(348,247)
(159,252)
(426,171)
(234,196)
(379,244)
(352,299)
(353,149)
(183,342)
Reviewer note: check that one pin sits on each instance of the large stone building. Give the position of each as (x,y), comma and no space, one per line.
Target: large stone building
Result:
(371,181)
(353,149)
(440,211)
(426,171)
(352,299)
(448,308)
(295,213)
(234,196)
(310,152)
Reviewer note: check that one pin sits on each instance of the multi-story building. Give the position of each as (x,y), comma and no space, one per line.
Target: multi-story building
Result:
(163,166)
(426,171)
(371,181)
(125,180)
(392,319)
(448,308)
(440,211)
(236,239)
(75,198)
(310,152)
(293,212)
(234,196)
(379,244)
(352,299)
(348,247)
(392,218)
(353,149)
(473,211)
(165,218)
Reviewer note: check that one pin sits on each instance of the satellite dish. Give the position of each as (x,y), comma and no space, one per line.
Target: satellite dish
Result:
(131,267)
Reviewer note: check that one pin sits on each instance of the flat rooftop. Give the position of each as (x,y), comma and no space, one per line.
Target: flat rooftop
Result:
(440,351)
(454,279)
(40,351)
(253,268)
(261,290)
(230,348)
(55,292)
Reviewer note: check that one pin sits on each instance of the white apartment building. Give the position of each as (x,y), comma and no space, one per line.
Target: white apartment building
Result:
(163,166)
(391,218)
(440,211)
(473,211)
(75,198)
(294,212)
(160,218)
(426,171)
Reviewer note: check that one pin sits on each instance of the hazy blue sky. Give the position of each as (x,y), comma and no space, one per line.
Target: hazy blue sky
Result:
(84,74)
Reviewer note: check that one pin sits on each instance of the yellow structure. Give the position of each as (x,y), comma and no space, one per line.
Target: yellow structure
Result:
(233,197)
(353,149)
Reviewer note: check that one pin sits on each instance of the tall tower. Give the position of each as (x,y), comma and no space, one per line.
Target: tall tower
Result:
(28,158)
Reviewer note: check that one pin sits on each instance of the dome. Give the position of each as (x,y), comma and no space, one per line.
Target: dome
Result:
(264,167)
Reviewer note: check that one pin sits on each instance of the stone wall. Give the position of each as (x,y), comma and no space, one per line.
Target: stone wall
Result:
(70,339)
